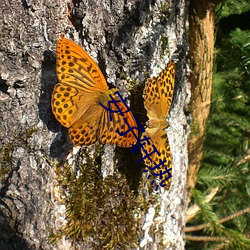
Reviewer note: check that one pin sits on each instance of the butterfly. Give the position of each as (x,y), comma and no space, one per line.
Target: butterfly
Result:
(75,100)
(157,95)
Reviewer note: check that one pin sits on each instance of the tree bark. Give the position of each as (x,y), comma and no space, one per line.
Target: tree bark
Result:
(131,38)
(201,41)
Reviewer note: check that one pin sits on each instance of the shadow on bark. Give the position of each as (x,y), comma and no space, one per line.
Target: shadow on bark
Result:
(61,145)
(9,239)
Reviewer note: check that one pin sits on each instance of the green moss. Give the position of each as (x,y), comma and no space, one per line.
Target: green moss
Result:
(195,129)
(164,10)
(19,140)
(164,45)
(106,210)
(130,83)
(123,76)
(5,160)
(28,133)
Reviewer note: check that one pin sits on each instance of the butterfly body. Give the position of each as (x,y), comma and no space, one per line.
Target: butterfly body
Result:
(158,93)
(104,97)
(77,96)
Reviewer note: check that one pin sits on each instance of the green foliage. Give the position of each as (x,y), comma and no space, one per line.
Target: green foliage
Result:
(226,153)
(217,176)
(230,7)
(207,211)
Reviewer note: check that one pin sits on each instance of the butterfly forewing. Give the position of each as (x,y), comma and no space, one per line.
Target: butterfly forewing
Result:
(76,69)
(158,93)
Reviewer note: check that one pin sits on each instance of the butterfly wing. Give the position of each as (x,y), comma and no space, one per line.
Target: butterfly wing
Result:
(158,93)
(160,140)
(75,68)
(89,130)
(70,104)
(85,130)
(80,83)
(75,97)
(108,129)
(75,100)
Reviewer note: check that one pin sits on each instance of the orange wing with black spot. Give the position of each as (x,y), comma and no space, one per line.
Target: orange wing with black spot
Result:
(76,97)
(158,93)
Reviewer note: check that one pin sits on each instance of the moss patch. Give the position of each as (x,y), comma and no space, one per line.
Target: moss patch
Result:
(19,140)
(105,212)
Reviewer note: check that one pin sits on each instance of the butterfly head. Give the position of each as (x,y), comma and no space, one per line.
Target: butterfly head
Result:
(105,96)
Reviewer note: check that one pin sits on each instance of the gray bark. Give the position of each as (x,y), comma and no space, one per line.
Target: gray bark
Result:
(123,36)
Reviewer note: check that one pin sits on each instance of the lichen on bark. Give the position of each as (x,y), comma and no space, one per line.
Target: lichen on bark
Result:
(133,37)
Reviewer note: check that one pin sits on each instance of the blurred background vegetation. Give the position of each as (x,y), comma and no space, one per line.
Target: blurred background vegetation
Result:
(225,222)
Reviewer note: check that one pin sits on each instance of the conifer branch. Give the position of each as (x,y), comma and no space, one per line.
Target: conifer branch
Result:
(205,238)
(194,209)
(230,217)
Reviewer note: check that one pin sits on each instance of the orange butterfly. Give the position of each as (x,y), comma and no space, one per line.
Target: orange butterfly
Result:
(158,93)
(75,100)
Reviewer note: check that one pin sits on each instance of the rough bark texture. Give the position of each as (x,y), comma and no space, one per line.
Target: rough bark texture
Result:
(201,40)
(123,36)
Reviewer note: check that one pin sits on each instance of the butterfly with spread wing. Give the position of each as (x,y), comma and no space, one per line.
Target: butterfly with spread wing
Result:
(75,100)
(157,94)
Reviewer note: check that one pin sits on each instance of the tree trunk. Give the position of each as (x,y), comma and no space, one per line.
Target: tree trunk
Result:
(54,196)
(201,40)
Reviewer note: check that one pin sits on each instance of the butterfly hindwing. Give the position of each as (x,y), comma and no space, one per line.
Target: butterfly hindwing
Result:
(63,106)
(84,134)
(70,104)
(109,128)
(160,140)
